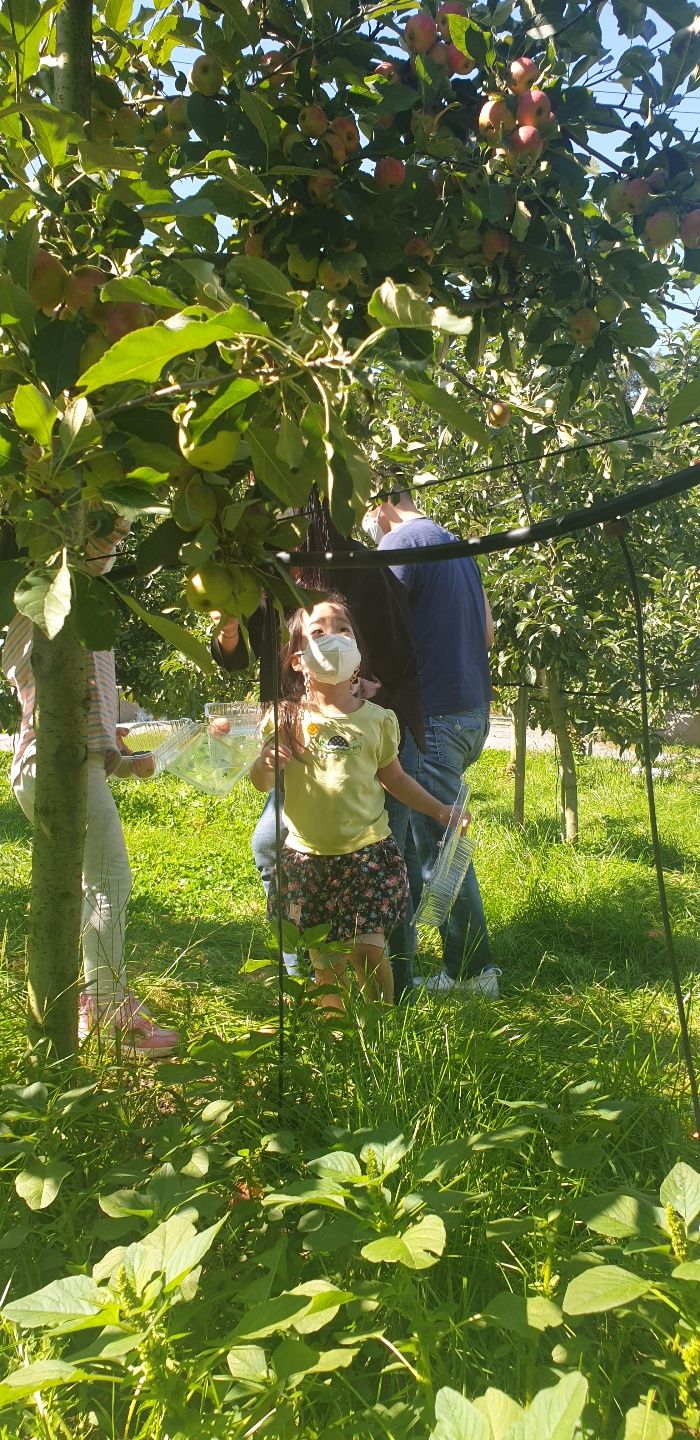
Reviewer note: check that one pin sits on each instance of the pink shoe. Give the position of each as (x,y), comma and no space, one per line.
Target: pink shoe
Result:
(138,1030)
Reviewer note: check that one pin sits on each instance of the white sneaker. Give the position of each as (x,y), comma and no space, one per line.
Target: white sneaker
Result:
(484,984)
(440,984)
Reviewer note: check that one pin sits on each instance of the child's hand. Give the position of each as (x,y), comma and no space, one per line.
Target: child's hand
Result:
(266,758)
(446,811)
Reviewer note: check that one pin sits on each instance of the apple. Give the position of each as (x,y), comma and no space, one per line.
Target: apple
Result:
(321,186)
(300,266)
(332,277)
(83,289)
(661,229)
(253,243)
(657,181)
(498,415)
(690,230)
(388,71)
(48,281)
(344,126)
(533,108)
(608,306)
(523,73)
(278,66)
(495,119)
(494,243)
(440,55)
(219,725)
(177,113)
(449,7)
(125,316)
(457,62)
(94,348)
(418,245)
(636,196)
(210,588)
(420,33)
(526,143)
(206,75)
(194,505)
(313,121)
(389,173)
(584,326)
(127,125)
(616,198)
(215,452)
(336,150)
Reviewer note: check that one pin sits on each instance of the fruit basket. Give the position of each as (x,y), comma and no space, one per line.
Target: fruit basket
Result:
(451,864)
(233,731)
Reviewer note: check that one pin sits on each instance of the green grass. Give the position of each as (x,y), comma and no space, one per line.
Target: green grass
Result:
(587,1017)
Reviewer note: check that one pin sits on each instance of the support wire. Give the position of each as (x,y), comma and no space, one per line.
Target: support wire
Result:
(273,629)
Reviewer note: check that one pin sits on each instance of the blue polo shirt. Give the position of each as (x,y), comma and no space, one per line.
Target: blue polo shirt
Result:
(448,621)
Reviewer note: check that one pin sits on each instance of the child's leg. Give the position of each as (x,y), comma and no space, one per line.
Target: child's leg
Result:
(372,966)
(330,970)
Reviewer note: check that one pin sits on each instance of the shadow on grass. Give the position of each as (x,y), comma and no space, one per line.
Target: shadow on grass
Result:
(633,843)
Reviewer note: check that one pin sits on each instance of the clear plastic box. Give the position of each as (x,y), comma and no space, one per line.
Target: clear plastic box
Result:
(233,731)
(451,864)
(188,755)
(146,736)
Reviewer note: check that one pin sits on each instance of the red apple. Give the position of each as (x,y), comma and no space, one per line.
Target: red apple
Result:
(219,725)
(495,119)
(388,70)
(420,33)
(523,74)
(389,173)
(321,186)
(584,326)
(526,143)
(125,316)
(48,281)
(345,128)
(498,414)
(336,153)
(83,290)
(690,230)
(206,75)
(636,196)
(449,7)
(494,243)
(418,245)
(440,55)
(457,62)
(313,121)
(661,229)
(533,108)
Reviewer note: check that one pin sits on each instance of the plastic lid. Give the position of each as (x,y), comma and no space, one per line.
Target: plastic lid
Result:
(210,765)
(453,859)
(147,736)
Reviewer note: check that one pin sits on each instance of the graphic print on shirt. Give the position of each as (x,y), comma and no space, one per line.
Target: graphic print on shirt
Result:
(324,742)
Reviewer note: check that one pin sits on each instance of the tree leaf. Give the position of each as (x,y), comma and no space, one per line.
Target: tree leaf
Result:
(262,117)
(96,611)
(11,572)
(135,287)
(78,428)
(42,1375)
(263,282)
(681,1189)
(603,1287)
(34,412)
(175,635)
(74,1298)
(38,1184)
(685,403)
(448,407)
(398,306)
(142,354)
(227,398)
(58,602)
(643,1423)
(292,487)
(457,1419)
(45,598)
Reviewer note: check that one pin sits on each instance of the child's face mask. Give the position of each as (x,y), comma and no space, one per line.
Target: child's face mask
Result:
(331,658)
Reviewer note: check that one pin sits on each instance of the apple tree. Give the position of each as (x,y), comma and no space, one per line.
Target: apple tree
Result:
(221,224)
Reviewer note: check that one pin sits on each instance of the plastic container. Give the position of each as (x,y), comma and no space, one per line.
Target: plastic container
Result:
(451,864)
(233,732)
(146,736)
(187,754)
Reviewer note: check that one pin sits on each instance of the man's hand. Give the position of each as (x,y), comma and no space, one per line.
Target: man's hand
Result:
(228,634)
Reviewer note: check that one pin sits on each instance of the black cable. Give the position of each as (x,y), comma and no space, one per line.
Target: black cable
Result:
(663,901)
(273,632)
(640,498)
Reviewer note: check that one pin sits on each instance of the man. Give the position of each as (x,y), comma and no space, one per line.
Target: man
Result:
(452,631)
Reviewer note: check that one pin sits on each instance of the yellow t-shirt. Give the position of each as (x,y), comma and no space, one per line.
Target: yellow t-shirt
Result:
(333,801)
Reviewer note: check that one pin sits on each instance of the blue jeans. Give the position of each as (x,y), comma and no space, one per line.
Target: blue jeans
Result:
(263,842)
(452,742)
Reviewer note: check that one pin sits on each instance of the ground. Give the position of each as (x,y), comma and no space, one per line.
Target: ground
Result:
(580,1057)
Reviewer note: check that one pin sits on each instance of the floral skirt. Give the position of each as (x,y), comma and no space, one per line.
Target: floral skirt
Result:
(355,895)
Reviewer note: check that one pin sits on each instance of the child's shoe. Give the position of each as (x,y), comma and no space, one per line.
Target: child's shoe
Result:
(138,1030)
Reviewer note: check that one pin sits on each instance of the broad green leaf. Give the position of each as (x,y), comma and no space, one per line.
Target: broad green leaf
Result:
(96,610)
(263,282)
(616,1215)
(448,407)
(58,602)
(500,1411)
(142,354)
(16,306)
(457,1419)
(42,1375)
(685,403)
(248,1363)
(582,1155)
(338,1165)
(34,412)
(290,486)
(688,1270)
(151,1255)
(522,1315)
(643,1423)
(554,1413)
(681,1189)
(74,1298)
(272,1317)
(188,1255)
(326,1301)
(176,636)
(38,1184)
(123,1203)
(603,1287)
(388,1154)
(261,116)
(135,287)
(399,307)
(227,398)
(308,1192)
(11,572)
(293,1357)
(78,428)
(417,1249)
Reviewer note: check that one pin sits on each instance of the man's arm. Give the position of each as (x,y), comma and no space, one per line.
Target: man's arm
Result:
(488,623)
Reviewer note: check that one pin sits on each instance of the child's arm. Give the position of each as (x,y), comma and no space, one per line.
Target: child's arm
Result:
(262,771)
(394,779)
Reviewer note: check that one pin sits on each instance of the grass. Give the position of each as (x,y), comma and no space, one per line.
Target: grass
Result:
(581,1056)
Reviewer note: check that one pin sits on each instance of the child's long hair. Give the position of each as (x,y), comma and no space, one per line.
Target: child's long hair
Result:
(292,686)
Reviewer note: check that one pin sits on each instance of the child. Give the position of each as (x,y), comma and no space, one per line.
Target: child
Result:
(339,753)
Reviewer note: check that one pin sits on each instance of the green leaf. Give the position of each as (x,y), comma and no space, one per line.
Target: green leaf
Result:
(11,572)
(417,1249)
(271,1317)
(521,1315)
(262,117)
(34,412)
(16,306)
(500,1411)
(135,287)
(175,635)
(248,1363)
(554,1413)
(388,1154)
(142,354)
(96,611)
(684,404)
(642,1423)
(326,1301)
(39,1184)
(338,1165)
(78,428)
(681,1189)
(42,1375)
(294,1357)
(188,1255)
(398,306)
(227,399)
(45,599)
(457,1419)
(688,1270)
(582,1155)
(56,348)
(603,1287)
(448,407)
(161,547)
(76,1297)
(290,486)
(616,1215)
(20,252)
(262,281)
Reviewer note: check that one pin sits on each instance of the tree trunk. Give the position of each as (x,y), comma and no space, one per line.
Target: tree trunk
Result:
(62,702)
(568,787)
(73,73)
(520,755)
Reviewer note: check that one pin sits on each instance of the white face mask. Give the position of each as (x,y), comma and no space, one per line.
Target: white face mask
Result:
(372,528)
(331,658)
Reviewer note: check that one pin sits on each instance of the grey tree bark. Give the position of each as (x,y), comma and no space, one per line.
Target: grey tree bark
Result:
(568,785)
